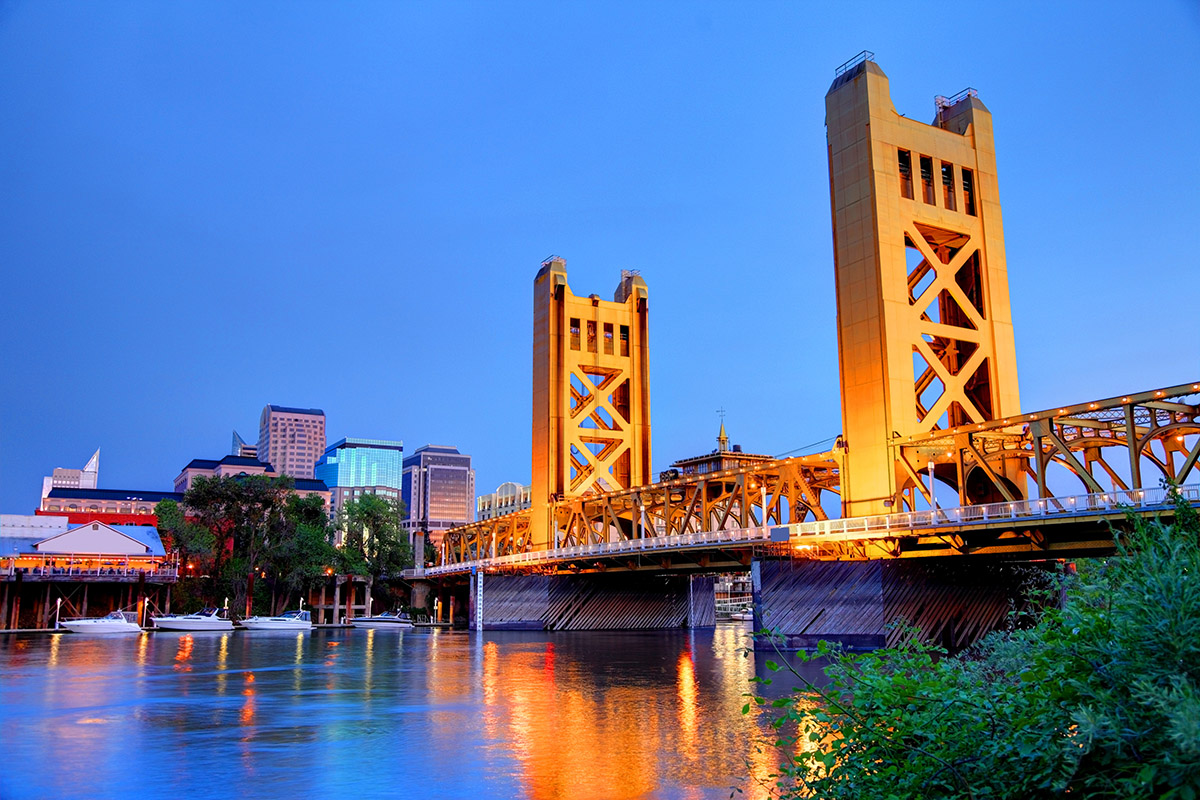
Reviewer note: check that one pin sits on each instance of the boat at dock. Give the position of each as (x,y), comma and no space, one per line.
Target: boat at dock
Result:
(116,622)
(209,619)
(298,620)
(385,620)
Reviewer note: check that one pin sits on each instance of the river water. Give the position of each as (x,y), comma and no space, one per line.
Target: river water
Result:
(371,713)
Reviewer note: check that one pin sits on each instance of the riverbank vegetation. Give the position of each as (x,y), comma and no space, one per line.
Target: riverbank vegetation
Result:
(1098,698)
(244,530)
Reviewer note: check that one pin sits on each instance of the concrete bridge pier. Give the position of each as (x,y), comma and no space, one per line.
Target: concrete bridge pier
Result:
(859,604)
(591,601)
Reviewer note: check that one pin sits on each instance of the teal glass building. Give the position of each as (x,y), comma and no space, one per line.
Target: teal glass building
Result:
(354,467)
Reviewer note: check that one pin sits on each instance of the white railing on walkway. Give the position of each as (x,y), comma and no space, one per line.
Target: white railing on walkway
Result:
(882,526)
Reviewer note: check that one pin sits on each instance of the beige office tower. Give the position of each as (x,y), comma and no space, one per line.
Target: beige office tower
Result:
(591,393)
(291,439)
(925,333)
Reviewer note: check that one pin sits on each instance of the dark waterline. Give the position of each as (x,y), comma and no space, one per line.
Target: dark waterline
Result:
(377,713)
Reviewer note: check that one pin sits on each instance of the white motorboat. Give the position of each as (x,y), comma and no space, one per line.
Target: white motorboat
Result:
(385,620)
(116,622)
(743,616)
(298,620)
(210,619)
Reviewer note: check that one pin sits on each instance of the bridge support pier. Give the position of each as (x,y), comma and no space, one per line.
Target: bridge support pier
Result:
(594,601)
(865,605)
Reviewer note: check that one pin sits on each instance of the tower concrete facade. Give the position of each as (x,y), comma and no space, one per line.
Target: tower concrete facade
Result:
(291,439)
(591,392)
(925,336)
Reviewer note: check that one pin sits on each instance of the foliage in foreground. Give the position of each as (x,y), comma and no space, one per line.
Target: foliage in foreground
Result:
(1099,699)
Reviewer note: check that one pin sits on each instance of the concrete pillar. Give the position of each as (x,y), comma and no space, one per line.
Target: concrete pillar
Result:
(4,609)
(337,594)
(83,613)
(321,613)
(421,591)
(949,601)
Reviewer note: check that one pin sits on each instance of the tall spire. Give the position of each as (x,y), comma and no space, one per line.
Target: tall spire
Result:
(722,440)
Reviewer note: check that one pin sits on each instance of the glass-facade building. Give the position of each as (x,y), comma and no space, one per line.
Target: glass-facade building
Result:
(354,467)
(439,490)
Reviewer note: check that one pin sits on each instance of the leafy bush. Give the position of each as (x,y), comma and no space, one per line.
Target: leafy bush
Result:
(1098,699)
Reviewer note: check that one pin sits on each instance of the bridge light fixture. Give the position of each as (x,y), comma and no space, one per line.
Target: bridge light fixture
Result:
(1124,399)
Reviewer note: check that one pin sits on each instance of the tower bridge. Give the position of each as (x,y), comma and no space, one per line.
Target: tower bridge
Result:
(936,460)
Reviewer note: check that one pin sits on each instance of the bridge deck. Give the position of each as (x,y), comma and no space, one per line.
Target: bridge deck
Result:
(1047,528)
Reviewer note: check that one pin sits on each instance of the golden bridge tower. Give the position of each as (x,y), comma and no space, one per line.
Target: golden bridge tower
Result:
(591,393)
(925,335)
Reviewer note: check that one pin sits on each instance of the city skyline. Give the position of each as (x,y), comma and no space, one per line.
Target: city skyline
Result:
(177,196)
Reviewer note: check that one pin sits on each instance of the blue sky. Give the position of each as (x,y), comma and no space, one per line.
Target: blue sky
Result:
(208,207)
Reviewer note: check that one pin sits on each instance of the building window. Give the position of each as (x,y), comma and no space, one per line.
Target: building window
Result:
(625,340)
(968,181)
(906,187)
(608,338)
(591,323)
(574,333)
(948,187)
(927,180)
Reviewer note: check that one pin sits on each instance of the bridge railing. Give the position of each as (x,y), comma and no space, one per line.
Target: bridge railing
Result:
(1076,505)
(630,546)
(866,527)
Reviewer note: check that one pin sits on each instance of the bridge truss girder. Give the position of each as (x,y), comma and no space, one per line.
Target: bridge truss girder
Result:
(790,490)
(1157,432)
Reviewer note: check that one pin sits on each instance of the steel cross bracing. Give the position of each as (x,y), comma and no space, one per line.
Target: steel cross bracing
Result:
(1121,443)
(1158,432)
(992,529)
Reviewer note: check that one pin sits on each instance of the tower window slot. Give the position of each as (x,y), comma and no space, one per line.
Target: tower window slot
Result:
(625,340)
(906,183)
(591,323)
(574,333)
(968,179)
(948,187)
(608,338)
(927,180)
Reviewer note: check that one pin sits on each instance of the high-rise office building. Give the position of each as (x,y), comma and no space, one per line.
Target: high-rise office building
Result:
(241,449)
(439,490)
(291,439)
(66,478)
(352,468)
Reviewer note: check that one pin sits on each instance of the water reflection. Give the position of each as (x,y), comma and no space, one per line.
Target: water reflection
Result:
(572,715)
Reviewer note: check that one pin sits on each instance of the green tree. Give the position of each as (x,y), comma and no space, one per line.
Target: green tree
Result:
(374,544)
(1098,699)
(245,514)
(193,543)
(300,552)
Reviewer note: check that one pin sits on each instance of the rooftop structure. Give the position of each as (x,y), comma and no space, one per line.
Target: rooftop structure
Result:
(725,457)
(66,478)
